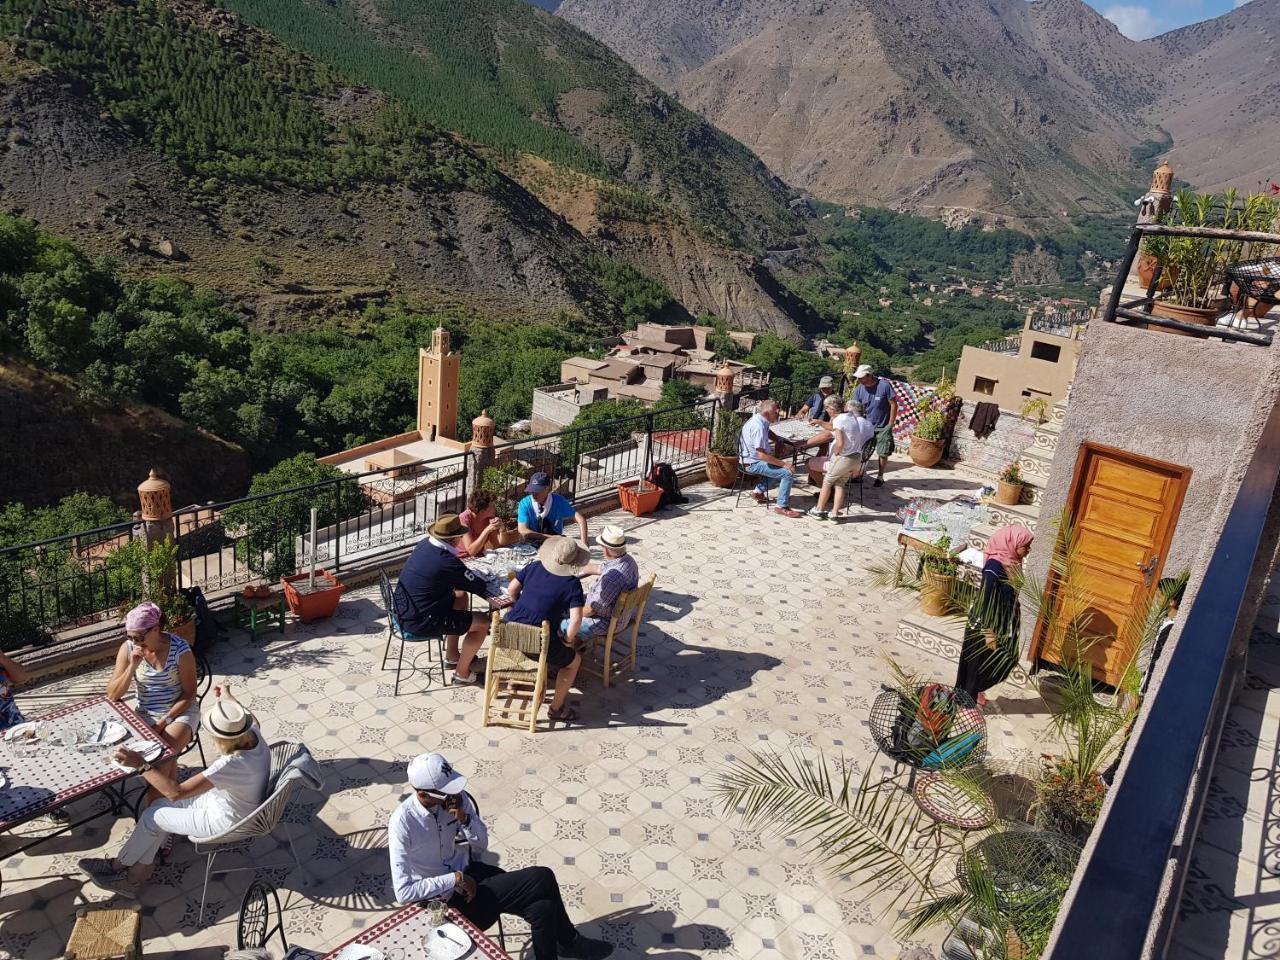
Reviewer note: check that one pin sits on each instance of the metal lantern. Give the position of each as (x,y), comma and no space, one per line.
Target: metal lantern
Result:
(724,380)
(482,430)
(156,497)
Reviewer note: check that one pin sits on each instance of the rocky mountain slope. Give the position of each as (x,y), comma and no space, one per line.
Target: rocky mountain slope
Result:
(1004,108)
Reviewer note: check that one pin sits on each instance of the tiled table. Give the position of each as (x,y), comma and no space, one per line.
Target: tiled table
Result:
(400,935)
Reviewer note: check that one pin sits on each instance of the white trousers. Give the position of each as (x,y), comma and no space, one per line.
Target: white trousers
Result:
(189,818)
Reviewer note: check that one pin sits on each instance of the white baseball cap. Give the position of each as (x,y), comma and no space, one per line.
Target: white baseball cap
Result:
(863,371)
(431,771)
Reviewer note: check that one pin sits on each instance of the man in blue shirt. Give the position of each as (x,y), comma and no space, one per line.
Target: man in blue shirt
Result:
(755,450)
(815,409)
(881,405)
(431,598)
(542,514)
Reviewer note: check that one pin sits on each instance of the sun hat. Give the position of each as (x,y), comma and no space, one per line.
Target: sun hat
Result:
(447,527)
(863,371)
(562,556)
(431,771)
(538,483)
(226,719)
(612,537)
(826,382)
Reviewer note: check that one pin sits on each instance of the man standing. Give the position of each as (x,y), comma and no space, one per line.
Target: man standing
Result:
(815,409)
(431,598)
(618,574)
(434,836)
(542,514)
(755,450)
(881,405)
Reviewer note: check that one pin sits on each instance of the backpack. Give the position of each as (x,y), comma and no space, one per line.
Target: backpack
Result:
(664,477)
(207,628)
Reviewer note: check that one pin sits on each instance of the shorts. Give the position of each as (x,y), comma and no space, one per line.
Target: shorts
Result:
(884,441)
(453,624)
(191,718)
(841,469)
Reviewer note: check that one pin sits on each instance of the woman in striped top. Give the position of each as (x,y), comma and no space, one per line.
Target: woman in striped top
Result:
(164,669)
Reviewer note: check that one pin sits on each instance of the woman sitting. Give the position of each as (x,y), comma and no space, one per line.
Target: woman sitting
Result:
(226,792)
(164,669)
(485,529)
(548,590)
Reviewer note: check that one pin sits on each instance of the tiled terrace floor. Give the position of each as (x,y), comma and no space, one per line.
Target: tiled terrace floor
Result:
(761,633)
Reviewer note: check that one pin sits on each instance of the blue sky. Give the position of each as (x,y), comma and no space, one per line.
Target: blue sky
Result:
(1140,19)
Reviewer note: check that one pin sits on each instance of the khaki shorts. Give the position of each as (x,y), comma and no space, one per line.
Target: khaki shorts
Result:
(841,469)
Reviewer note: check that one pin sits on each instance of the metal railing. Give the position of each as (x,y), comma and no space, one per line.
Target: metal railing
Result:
(1003,345)
(1069,325)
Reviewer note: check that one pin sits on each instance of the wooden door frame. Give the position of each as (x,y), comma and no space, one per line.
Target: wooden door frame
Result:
(1075,497)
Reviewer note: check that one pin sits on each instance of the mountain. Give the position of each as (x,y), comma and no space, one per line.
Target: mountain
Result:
(173,134)
(1005,109)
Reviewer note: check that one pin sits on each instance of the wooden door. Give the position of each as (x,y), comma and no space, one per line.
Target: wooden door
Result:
(1123,509)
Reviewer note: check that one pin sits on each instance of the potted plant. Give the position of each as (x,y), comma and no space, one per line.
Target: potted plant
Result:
(926,441)
(1196,266)
(310,600)
(506,483)
(722,458)
(148,573)
(1069,800)
(938,578)
(1034,408)
(1009,486)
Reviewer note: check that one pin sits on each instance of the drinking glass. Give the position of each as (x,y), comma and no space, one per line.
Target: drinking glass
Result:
(437,913)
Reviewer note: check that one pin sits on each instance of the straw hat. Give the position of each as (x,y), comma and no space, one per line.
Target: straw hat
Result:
(226,719)
(562,556)
(615,538)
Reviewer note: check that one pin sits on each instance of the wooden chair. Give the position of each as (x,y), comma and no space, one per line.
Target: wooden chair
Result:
(514,678)
(110,934)
(619,644)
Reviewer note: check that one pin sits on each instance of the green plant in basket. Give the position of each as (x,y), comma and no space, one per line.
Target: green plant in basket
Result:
(1012,474)
(1034,408)
(931,426)
(147,573)
(939,560)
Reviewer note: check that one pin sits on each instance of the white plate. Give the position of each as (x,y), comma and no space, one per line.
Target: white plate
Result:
(359,951)
(20,730)
(453,944)
(148,748)
(114,733)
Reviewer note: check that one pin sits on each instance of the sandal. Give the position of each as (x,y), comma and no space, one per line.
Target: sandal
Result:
(565,715)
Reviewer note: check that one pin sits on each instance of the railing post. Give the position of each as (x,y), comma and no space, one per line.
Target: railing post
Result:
(648,446)
(337,529)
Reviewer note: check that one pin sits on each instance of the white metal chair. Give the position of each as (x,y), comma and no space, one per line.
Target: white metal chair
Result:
(289,773)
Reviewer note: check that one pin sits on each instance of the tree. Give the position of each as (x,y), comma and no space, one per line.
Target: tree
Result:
(679,393)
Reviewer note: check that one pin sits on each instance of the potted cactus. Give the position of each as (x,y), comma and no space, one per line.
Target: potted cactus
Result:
(1009,486)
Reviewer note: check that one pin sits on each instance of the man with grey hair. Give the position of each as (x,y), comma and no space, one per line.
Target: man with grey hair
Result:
(850,432)
(755,452)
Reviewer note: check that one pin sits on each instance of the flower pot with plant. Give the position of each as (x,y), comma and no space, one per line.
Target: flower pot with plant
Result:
(148,573)
(926,441)
(1009,486)
(310,600)
(1034,408)
(722,458)
(938,578)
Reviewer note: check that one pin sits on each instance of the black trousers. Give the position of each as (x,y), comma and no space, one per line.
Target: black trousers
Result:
(532,894)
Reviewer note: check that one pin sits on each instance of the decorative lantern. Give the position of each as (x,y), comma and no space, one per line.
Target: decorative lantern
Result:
(724,380)
(482,430)
(1162,178)
(852,357)
(156,497)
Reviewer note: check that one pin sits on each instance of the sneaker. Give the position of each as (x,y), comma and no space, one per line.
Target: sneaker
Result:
(787,512)
(584,948)
(816,513)
(117,883)
(94,867)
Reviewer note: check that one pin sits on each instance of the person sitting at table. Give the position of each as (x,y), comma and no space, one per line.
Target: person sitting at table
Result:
(815,409)
(755,451)
(163,669)
(226,792)
(548,589)
(485,529)
(618,574)
(12,674)
(431,598)
(542,513)
(850,431)
(434,839)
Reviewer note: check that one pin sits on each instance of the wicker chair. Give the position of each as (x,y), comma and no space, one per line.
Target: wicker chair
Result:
(619,646)
(262,821)
(514,678)
(396,632)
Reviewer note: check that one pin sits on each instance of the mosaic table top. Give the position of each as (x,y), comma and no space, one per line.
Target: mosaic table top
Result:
(400,936)
(50,775)
(795,431)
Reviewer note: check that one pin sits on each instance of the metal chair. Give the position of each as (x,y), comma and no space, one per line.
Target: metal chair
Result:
(262,821)
(512,676)
(502,934)
(253,929)
(744,480)
(624,656)
(397,632)
(204,681)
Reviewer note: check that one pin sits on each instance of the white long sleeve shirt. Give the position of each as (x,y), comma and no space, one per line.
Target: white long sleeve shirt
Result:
(424,848)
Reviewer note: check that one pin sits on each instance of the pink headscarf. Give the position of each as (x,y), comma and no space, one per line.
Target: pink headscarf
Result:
(142,618)
(1004,544)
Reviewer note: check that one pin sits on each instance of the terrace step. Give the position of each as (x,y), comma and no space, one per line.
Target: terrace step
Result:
(1046,440)
(1058,414)
(998,515)
(943,637)
(1036,464)
(980,533)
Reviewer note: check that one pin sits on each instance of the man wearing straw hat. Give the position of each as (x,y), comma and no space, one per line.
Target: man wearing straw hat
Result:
(431,598)
(618,574)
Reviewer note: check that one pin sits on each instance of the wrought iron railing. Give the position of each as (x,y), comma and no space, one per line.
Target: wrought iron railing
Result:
(1069,325)
(1003,345)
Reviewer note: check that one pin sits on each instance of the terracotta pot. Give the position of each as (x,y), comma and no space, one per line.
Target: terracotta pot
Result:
(935,593)
(925,453)
(1147,270)
(1008,494)
(315,604)
(186,629)
(722,471)
(639,496)
(1201,316)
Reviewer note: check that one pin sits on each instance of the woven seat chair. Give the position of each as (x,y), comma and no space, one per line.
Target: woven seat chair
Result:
(618,646)
(110,934)
(261,822)
(396,632)
(514,685)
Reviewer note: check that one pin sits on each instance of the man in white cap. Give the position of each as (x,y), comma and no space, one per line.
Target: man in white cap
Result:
(815,410)
(434,838)
(881,406)
(618,574)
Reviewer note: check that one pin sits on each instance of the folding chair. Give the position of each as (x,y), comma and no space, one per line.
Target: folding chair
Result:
(621,657)
(254,929)
(518,684)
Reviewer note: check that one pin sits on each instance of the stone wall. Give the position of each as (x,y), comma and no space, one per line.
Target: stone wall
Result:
(998,449)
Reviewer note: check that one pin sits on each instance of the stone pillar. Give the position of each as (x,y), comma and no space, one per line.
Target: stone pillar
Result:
(724,386)
(482,450)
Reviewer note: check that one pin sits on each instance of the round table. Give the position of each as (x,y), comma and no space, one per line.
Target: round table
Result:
(955,804)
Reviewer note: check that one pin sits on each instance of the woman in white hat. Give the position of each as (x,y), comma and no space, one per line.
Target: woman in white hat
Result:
(548,589)
(226,792)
